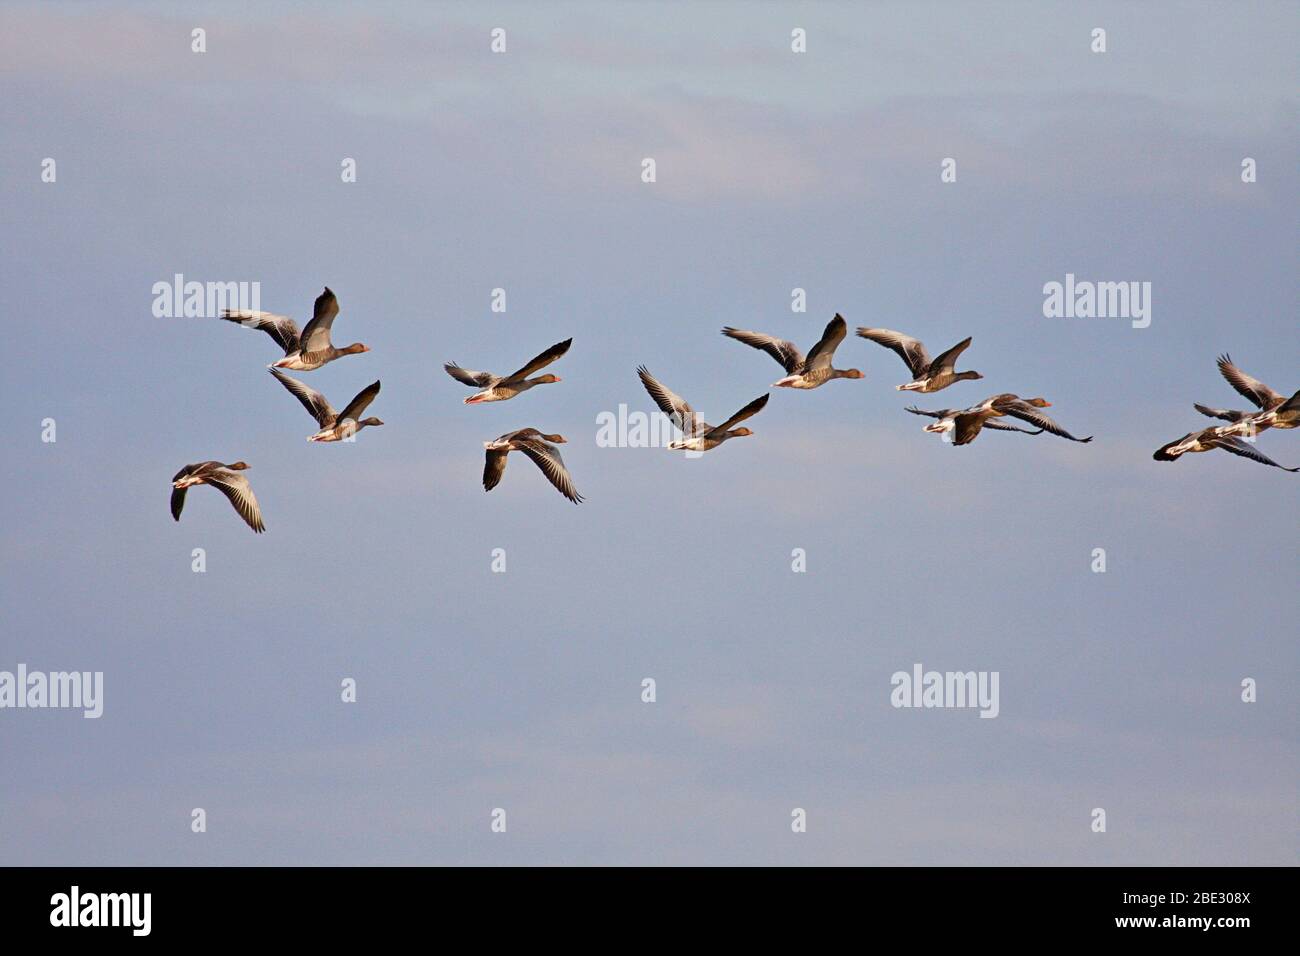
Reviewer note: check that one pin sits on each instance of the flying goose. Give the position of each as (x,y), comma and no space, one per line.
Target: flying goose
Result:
(1207,439)
(539,448)
(967,423)
(948,421)
(497,388)
(227,480)
(804,371)
(928,375)
(334,426)
(698,434)
(1275,409)
(303,351)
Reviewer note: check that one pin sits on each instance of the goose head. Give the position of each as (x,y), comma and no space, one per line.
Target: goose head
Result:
(556,439)
(238,466)
(852,373)
(355,348)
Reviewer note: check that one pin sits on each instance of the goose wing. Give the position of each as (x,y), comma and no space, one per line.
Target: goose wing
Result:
(178,494)
(749,411)
(360,403)
(493,468)
(1250,388)
(470,377)
(968,425)
(940,413)
(547,457)
(1029,413)
(316,404)
(1238,447)
(236,487)
(786,353)
(178,501)
(671,404)
(316,333)
(910,350)
(820,355)
(1227,414)
(947,360)
(280,327)
(1004,427)
(541,361)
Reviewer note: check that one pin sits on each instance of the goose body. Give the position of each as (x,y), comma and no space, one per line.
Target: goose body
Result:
(967,423)
(540,448)
(810,371)
(500,388)
(697,434)
(304,351)
(227,480)
(1250,423)
(1233,415)
(928,375)
(1286,415)
(1208,439)
(334,426)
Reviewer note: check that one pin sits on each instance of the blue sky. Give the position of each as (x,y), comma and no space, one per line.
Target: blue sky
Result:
(522,690)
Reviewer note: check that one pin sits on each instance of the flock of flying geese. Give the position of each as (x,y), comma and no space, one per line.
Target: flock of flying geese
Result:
(1272,410)
(310,348)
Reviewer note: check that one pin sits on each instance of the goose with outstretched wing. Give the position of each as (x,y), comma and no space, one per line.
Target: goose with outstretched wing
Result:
(500,388)
(928,375)
(697,434)
(539,447)
(802,371)
(227,480)
(304,351)
(334,426)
